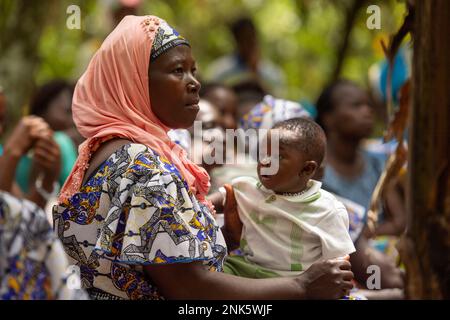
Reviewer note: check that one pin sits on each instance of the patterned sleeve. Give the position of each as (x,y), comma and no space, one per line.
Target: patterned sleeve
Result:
(33,265)
(154,219)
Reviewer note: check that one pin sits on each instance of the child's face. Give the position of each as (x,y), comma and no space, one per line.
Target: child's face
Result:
(291,175)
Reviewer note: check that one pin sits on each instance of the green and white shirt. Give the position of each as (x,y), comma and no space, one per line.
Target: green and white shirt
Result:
(286,234)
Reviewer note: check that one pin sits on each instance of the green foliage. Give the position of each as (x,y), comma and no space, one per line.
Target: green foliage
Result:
(300,36)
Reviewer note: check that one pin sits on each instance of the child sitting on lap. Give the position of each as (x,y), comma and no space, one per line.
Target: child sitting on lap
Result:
(289,222)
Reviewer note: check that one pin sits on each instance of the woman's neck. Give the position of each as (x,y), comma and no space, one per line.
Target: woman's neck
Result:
(343,150)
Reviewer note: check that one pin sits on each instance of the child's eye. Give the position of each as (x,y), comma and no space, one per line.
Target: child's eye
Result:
(178,70)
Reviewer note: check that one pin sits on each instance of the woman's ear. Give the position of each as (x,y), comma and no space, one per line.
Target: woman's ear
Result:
(309,169)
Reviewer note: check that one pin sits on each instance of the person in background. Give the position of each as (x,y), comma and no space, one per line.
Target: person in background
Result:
(52,102)
(30,134)
(225,100)
(249,94)
(245,64)
(33,264)
(263,115)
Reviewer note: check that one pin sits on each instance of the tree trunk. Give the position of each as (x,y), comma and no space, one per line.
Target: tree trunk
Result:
(351,14)
(427,242)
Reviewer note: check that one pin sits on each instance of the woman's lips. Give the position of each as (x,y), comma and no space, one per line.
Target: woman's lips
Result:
(193,106)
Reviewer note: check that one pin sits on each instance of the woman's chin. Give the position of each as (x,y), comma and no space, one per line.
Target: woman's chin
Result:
(185,124)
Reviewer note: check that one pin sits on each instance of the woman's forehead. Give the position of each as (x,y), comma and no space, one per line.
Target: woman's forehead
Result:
(347,92)
(178,54)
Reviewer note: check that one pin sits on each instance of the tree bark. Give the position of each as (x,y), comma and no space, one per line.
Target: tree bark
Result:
(426,245)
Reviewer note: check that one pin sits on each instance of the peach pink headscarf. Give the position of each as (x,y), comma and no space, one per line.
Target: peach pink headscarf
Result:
(112,99)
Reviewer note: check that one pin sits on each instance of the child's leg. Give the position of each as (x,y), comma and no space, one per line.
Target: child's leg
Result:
(239,266)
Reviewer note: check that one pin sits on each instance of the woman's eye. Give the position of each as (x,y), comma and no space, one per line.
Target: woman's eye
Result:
(194,71)
(357,104)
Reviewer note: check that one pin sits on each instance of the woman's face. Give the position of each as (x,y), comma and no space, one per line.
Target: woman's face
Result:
(173,87)
(353,115)
(59,112)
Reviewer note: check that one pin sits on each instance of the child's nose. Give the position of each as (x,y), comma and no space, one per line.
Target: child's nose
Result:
(265,161)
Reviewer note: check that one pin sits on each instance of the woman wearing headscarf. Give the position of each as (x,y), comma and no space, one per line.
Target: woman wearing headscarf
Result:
(133,213)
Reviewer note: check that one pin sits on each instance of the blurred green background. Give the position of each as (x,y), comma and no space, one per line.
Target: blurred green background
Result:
(303,37)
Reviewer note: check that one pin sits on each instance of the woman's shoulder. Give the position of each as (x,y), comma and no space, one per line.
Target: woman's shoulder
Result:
(140,163)
(129,154)
(147,158)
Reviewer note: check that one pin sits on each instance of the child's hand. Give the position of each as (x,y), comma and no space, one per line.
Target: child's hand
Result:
(232,223)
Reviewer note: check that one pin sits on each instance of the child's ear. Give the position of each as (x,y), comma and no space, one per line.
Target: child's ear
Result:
(309,168)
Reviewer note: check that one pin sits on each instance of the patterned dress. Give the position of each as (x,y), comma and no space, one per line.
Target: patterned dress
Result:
(33,265)
(135,210)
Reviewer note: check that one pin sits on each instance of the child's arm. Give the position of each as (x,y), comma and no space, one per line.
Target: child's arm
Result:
(334,235)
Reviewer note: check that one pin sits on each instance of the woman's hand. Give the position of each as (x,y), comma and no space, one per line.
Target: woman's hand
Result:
(331,279)
(20,141)
(46,167)
(232,228)
(47,157)
(27,131)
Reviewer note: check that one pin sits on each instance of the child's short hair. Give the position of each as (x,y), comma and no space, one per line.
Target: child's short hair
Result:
(309,138)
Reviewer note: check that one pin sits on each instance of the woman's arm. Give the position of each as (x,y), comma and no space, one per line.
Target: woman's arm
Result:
(365,256)
(46,166)
(395,222)
(323,280)
(8,164)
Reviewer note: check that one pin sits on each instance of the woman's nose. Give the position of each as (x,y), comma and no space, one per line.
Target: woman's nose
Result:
(194,85)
